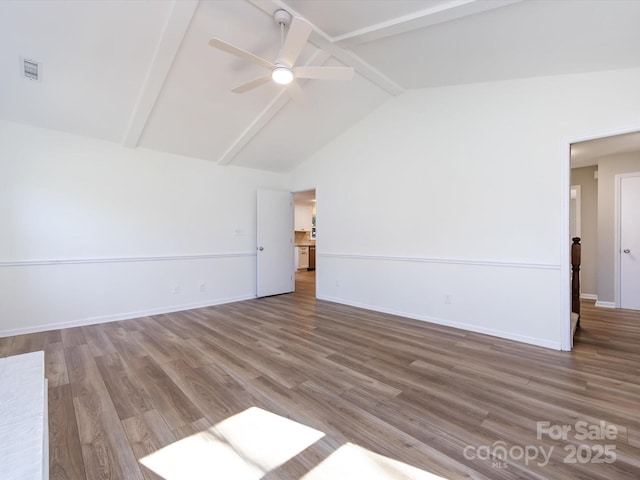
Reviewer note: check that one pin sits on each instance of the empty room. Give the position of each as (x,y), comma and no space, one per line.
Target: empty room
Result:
(319,239)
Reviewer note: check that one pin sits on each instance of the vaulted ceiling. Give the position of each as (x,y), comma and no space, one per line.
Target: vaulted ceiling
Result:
(141,73)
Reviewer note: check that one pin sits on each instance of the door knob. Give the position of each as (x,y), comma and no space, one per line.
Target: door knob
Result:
(261,248)
(626,250)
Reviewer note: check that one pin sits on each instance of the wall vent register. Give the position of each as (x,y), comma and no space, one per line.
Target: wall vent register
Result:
(31,69)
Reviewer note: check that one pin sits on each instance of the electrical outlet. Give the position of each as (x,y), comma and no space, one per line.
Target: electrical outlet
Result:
(203,287)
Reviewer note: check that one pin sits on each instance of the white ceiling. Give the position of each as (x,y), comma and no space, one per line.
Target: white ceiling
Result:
(141,73)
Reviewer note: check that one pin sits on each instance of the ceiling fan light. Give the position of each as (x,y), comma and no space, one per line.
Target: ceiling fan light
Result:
(282,75)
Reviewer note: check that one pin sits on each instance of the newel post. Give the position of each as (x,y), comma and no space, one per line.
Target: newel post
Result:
(575,275)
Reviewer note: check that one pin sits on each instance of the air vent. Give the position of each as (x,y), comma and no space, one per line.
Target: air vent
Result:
(31,69)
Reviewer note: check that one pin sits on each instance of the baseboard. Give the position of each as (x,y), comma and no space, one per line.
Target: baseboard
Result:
(121,316)
(588,296)
(605,304)
(448,323)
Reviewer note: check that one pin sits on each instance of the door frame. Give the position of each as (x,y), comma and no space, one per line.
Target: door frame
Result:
(617,271)
(565,241)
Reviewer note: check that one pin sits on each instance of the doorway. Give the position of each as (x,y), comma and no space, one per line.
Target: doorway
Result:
(609,155)
(305,231)
(593,162)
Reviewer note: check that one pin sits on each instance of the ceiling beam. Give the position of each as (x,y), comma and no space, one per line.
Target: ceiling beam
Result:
(350,59)
(265,115)
(254,128)
(175,30)
(406,23)
(420,19)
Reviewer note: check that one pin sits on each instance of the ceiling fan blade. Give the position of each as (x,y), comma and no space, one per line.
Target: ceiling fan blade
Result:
(296,93)
(324,73)
(252,84)
(297,37)
(238,52)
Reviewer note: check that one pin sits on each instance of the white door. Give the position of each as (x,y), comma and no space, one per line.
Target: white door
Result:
(630,242)
(275,242)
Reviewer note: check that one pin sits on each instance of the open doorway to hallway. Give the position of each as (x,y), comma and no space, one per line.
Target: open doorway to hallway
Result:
(600,168)
(305,236)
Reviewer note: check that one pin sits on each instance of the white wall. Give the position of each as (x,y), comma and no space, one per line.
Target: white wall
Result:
(92,231)
(457,192)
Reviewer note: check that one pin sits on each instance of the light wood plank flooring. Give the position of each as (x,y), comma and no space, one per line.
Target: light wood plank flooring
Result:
(435,399)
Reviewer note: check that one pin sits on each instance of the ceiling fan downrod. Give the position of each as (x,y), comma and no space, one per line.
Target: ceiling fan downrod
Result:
(282,74)
(282,18)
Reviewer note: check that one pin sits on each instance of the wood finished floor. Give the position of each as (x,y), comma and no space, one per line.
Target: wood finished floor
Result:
(410,391)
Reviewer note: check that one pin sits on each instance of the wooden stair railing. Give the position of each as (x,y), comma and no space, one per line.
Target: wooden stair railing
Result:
(575,276)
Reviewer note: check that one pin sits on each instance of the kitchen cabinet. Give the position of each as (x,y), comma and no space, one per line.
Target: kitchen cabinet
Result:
(303,218)
(303,257)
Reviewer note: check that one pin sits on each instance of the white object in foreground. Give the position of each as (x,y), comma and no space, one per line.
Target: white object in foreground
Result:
(24,435)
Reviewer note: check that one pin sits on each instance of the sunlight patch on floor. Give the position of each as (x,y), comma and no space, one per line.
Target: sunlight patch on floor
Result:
(254,442)
(242,447)
(351,461)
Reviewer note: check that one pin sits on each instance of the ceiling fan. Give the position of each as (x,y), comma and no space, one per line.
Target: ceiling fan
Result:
(284,71)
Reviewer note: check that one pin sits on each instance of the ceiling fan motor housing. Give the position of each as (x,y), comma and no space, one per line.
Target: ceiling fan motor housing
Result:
(282,17)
